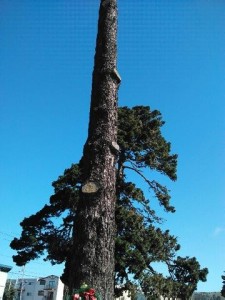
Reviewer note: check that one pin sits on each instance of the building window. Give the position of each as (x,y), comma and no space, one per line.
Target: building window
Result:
(29,294)
(40,293)
(51,284)
(42,282)
(50,296)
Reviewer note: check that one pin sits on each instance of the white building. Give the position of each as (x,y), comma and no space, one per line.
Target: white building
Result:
(125,296)
(3,277)
(46,288)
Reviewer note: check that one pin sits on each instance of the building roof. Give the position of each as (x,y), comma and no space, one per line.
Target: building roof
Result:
(49,276)
(4,268)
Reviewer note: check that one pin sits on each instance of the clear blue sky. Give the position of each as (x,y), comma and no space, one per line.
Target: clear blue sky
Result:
(171,56)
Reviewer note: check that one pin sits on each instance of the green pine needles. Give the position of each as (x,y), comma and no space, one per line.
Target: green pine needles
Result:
(140,241)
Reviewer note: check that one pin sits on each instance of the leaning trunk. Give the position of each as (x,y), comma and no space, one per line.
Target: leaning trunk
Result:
(92,259)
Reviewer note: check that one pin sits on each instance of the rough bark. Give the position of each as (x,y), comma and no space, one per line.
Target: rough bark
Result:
(92,260)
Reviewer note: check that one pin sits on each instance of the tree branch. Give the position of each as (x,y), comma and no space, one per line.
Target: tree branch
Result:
(150,183)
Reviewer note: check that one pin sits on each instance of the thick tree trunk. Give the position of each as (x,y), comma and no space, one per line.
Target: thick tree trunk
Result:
(93,254)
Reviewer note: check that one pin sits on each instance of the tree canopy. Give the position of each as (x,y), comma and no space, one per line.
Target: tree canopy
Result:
(140,241)
(223,287)
(9,291)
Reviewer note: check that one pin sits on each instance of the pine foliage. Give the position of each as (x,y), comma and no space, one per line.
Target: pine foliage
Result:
(139,242)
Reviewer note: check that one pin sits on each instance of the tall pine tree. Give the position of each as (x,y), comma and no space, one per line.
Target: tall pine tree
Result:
(107,229)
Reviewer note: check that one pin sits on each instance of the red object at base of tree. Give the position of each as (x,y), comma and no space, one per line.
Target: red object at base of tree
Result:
(85,293)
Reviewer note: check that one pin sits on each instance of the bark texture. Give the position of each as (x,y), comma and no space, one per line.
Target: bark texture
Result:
(94,231)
